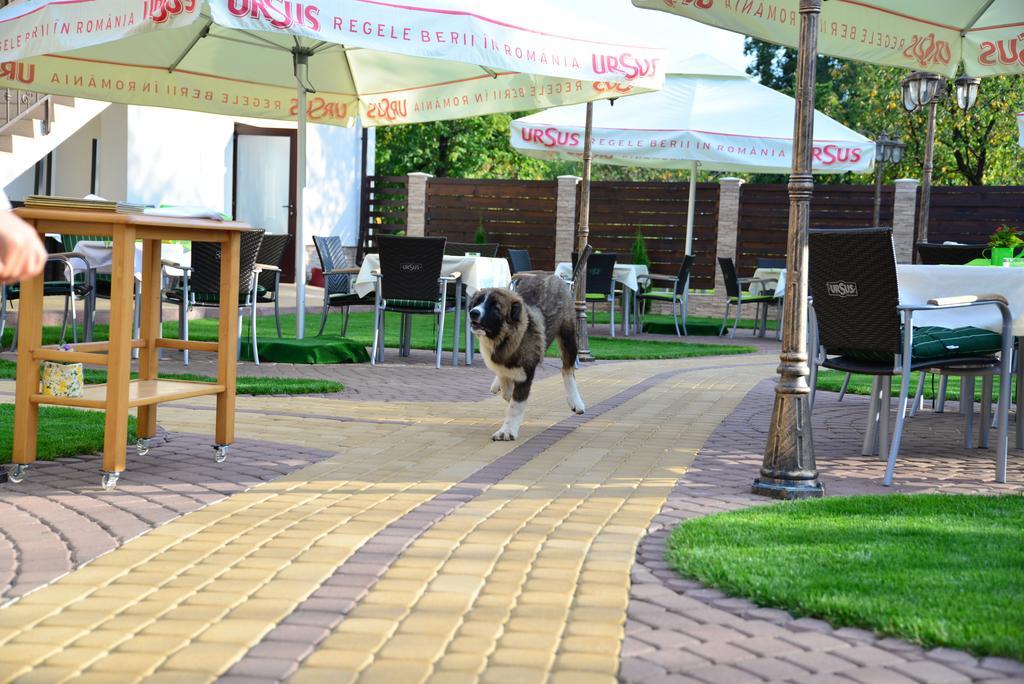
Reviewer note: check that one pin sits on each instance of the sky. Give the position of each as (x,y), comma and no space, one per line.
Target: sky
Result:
(682,37)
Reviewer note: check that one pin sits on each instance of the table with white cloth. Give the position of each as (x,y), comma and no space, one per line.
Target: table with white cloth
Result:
(920,283)
(629,275)
(478,272)
(756,289)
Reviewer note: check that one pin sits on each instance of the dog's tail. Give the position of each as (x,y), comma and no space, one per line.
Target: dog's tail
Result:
(581,263)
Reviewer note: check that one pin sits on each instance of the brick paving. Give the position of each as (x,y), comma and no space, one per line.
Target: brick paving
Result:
(681,631)
(383,537)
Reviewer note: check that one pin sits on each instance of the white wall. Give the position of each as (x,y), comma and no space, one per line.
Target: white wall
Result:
(180,157)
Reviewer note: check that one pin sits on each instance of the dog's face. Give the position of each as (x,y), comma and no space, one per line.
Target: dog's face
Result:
(493,311)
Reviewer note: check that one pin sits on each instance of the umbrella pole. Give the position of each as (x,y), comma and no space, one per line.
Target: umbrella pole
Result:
(691,207)
(582,238)
(300,235)
(788,470)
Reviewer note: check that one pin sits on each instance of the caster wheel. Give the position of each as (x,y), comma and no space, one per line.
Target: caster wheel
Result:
(16,473)
(109,480)
(142,447)
(221,453)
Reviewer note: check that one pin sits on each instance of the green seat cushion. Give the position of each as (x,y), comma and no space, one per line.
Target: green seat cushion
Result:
(427,304)
(666,295)
(747,297)
(596,297)
(932,342)
(211,298)
(51,288)
(308,350)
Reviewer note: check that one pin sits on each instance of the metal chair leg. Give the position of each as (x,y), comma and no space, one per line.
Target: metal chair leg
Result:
(64,321)
(376,336)
(440,336)
(940,397)
(277,314)
(255,346)
(736,323)
(901,417)
(344,324)
(675,315)
(845,385)
(871,432)
(918,394)
(985,424)
(725,318)
(611,310)
(967,405)
(323,316)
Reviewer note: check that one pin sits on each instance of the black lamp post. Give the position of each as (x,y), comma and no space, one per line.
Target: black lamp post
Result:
(923,89)
(887,151)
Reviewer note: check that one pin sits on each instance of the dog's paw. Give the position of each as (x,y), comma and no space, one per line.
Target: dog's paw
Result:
(495,386)
(506,393)
(505,434)
(577,407)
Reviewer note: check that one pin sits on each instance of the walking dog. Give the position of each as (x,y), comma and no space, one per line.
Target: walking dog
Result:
(515,327)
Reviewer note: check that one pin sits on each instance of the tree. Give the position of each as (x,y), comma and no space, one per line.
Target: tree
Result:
(971,148)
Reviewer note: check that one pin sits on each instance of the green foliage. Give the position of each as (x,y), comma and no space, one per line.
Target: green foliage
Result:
(480,236)
(1005,236)
(940,570)
(639,250)
(977,147)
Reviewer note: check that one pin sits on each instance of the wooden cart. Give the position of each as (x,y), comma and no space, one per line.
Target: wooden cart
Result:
(121,393)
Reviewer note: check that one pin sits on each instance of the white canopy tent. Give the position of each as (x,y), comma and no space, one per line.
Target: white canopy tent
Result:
(707,114)
(388,63)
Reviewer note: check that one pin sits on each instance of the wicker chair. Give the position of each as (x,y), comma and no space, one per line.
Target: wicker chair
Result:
(519,260)
(268,284)
(736,295)
(678,295)
(487,249)
(935,253)
(601,283)
(409,282)
(200,284)
(856,303)
(338,274)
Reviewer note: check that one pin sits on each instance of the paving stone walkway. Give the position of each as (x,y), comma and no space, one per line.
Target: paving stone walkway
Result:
(382,537)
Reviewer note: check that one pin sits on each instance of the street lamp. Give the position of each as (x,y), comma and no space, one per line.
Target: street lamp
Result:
(887,151)
(966,91)
(924,89)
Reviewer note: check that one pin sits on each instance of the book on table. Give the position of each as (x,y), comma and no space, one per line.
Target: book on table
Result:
(88,204)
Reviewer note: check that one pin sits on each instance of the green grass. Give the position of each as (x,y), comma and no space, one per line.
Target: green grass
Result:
(832,381)
(940,570)
(243,385)
(424,336)
(62,432)
(695,325)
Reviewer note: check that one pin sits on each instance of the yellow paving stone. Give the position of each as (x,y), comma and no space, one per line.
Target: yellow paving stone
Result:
(99,678)
(378,612)
(539,658)
(128,664)
(247,632)
(423,622)
(392,671)
(205,657)
(273,610)
(100,639)
(26,653)
(426,647)
(463,662)
(452,677)
(581,677)
(319,676)
(178,677)
(343,641)
(330,658)
(513,675)
(42,675)
(603,662)
(153,643)
(368,625)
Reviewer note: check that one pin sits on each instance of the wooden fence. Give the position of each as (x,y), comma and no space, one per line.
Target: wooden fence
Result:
(764,217)
(382,210)
(658,210)
(971,214)
(515,214)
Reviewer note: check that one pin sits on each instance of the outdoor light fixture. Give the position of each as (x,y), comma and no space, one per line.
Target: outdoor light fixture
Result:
(921,88)
(967,91)
(887,151)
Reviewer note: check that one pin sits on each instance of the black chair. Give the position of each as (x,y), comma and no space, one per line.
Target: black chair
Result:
(268,284)
(519,260)
(488,249)
(600,283)
(767,262)
(734,294)
(409,282)
(61,280)
(678,295)
(857,307)
(934,253)
(338,276)
(200,284)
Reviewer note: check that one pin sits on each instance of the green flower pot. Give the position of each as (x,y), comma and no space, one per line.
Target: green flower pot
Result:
(1000,253)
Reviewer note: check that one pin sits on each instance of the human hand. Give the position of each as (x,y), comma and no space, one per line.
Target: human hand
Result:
(22,254)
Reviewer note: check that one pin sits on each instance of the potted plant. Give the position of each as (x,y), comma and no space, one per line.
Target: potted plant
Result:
(1003,243)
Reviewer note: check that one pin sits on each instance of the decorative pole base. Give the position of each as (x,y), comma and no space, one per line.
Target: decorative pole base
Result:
(788,470)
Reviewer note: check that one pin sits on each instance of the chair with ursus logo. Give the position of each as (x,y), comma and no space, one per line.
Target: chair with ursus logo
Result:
(863,328)
(409,282)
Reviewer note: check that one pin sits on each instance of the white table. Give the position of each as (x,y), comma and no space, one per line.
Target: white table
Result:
(628,275)
(919,283)
(100,256)
(477,272)
(777,274)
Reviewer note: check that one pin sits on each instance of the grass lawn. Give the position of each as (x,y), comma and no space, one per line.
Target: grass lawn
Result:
(243,385)
(831,381)
(940,570)
(62,432)
(424,336)
(695,325)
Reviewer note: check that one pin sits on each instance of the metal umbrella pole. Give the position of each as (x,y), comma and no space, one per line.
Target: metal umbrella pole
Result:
(302,82)
(582,239)
(788,469)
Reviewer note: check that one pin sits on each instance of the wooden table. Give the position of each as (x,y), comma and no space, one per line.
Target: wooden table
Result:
(121,393)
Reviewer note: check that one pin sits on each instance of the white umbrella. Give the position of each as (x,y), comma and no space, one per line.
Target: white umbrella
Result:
(927,35)
(388,63)
(1020,127)
(703,114)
